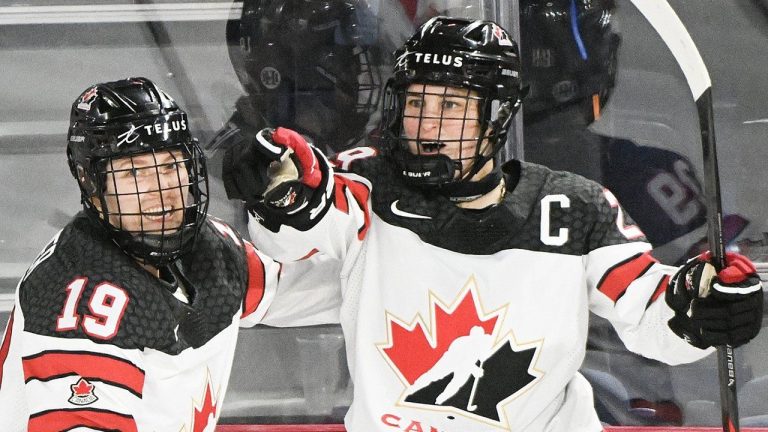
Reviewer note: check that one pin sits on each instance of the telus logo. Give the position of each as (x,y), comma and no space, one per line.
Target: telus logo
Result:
(439,59)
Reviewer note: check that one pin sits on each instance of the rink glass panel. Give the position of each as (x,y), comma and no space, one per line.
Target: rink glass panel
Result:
(51,51)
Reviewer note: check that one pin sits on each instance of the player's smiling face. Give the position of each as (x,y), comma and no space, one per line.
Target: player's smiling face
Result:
(442,120)
(147,192)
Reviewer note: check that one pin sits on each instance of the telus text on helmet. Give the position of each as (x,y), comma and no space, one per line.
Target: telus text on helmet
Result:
(443,59)
(131,135)
(162,128)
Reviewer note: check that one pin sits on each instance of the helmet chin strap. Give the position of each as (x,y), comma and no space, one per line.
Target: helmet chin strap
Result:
(468,190)
(471,190)
(434,172)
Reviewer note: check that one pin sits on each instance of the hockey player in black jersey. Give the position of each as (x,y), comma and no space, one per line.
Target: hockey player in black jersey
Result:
(128,318)
(443,248)
(310,66)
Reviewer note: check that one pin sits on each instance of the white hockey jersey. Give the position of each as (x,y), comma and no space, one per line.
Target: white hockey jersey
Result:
(97,343)
(476,320)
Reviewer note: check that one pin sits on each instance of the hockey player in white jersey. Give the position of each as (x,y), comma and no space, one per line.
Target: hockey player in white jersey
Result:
(128,319)
(437,239)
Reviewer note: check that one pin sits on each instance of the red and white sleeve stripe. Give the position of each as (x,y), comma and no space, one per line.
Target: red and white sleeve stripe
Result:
(626,285)
(263,279)
(115,371)
(72,383)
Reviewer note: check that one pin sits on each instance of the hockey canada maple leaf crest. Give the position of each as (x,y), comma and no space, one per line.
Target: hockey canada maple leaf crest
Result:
(82,393)
(460,360)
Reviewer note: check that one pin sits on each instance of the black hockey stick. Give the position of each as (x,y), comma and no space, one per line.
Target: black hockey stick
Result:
(674,34)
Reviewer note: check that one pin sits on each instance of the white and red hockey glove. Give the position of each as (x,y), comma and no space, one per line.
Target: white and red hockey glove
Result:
(277,168)
(712,308)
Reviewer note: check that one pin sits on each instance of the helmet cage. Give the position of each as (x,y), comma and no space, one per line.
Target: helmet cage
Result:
(475,130)
(348,95)
(310,66)
(473,61)
(570,55)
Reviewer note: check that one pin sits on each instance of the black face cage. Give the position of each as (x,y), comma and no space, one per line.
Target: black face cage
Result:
(420,138)
(331,93)
(153,211)
(350,95)
(368,84)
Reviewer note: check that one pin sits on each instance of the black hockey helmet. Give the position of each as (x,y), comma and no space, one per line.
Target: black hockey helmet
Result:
(569,53)
(127,119)
(309,65)
(478,56)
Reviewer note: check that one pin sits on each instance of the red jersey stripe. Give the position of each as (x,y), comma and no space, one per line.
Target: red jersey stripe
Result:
(6,347)
(340,198)
(616,280)
(63,420)
(661,288)
(360,192)
(256,278)
(115,371)
(309,254)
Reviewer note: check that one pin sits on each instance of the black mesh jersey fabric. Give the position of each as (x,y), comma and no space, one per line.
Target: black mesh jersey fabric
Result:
(215,272)
(513,224)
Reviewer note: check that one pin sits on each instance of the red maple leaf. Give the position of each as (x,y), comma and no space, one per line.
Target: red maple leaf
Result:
(414,351)
(82,388)
(202,415)
(89,94)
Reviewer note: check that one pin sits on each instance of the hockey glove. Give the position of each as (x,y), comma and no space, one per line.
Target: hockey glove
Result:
(716,309)
(277,167)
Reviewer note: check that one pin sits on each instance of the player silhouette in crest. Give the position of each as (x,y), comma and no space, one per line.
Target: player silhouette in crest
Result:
(461,360)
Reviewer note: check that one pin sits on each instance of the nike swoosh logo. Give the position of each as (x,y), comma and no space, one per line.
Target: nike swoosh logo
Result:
(406,214)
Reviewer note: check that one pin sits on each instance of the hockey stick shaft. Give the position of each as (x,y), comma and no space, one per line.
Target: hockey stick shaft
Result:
(471,402)
(674,34)
(711,180)
(725,354)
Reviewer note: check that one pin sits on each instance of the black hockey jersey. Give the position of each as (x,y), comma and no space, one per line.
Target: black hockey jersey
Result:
(96,341)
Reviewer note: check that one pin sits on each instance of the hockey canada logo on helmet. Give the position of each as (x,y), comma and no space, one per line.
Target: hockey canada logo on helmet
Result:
(308,65)
(502,36)
(141,174)
(87,98)
(472,69)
